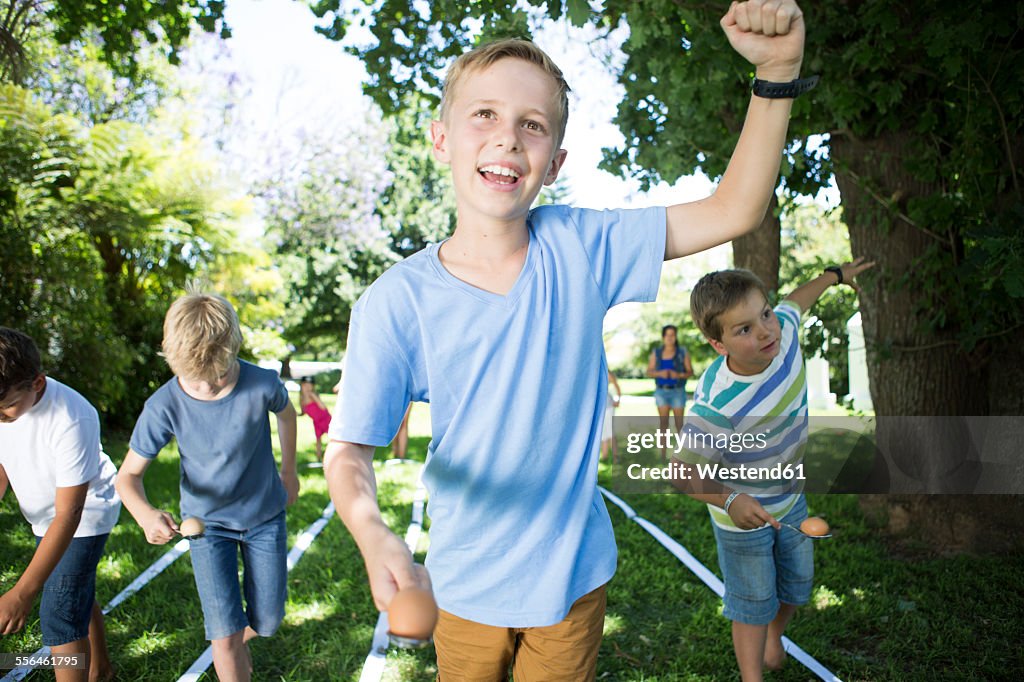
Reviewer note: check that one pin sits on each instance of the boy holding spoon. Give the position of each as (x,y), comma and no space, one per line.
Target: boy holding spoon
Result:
(757,385)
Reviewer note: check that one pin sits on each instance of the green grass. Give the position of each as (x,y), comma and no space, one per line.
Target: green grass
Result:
(874,616)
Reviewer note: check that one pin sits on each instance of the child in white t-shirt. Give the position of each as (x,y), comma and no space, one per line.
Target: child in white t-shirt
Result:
(50,453)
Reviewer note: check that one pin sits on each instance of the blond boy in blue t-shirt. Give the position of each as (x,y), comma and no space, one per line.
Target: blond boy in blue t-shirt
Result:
(499,329)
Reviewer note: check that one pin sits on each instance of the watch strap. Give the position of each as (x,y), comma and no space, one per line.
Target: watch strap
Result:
(770,90)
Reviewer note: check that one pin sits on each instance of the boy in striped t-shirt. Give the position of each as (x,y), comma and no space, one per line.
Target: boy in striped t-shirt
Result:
(750,416)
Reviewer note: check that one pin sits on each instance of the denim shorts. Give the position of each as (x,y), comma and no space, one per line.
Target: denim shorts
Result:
(670,397)
(764,567)
(70,591)
(264,552)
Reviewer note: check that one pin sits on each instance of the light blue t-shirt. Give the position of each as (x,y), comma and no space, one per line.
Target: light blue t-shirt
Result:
(228,474)
(516,386)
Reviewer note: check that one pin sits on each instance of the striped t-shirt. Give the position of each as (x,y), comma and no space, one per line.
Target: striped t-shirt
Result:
(769,411)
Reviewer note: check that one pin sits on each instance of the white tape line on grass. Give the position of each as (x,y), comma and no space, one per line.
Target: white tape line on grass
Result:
(153,571)
(412,535)
(302,543)
(712,581)
(376,660)
(134,586)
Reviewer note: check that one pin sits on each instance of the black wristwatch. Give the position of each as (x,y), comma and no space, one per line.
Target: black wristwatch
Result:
(770,90)
(837,271)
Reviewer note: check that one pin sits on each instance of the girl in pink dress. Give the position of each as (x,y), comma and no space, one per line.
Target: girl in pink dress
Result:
(314,407)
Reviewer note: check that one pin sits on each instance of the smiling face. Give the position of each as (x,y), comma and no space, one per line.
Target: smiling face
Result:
(499,136)
(750,335)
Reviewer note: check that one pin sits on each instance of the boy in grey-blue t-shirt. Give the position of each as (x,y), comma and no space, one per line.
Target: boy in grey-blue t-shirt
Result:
(217,408)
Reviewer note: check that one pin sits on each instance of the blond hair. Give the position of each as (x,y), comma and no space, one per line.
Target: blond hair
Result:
(508,48)
(717,293)
(201,336)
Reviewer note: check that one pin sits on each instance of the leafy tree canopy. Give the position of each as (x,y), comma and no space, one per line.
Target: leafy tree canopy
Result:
(951,88)
(123,27)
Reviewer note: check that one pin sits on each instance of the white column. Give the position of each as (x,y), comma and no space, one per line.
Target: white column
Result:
(860,387)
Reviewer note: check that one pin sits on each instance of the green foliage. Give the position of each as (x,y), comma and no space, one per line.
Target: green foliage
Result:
(951,94)
(319,202)
(672,307)
(341,209)
(416,41)
(949,90)
(74,79)
(125,26)
(418,206)
(49,271)
(106,223)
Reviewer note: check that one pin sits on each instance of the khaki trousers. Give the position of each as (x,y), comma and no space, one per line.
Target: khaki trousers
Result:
(563,652)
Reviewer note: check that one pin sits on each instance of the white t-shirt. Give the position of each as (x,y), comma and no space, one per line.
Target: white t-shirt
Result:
(56,444)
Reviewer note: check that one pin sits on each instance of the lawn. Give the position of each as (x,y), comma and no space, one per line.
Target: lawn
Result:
(875,615)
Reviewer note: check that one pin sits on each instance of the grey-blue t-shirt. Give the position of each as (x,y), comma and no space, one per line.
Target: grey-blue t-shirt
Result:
(228,474)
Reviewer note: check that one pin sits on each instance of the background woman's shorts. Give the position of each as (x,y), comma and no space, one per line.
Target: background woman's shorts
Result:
(670,397)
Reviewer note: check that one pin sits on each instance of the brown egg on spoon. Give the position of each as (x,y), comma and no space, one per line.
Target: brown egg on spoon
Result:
(192,528)
(412,616)
(815,526)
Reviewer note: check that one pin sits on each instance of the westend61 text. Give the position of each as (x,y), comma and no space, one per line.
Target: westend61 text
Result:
(704,471)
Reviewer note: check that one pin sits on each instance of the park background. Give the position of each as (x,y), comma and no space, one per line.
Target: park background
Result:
(142,147)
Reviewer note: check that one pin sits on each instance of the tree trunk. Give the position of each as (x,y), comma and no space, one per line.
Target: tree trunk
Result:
(1006,379)
(758,251)
(915,369)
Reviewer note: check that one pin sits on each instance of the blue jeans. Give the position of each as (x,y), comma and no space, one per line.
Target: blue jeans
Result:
(70,591)
(764,567)
(265,577)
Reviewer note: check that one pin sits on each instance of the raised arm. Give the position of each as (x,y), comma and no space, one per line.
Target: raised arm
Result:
(808,293)
(348,468)
(770,35)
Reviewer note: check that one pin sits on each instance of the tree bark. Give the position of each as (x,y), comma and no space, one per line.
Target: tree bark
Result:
(759,251)
(914,368)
